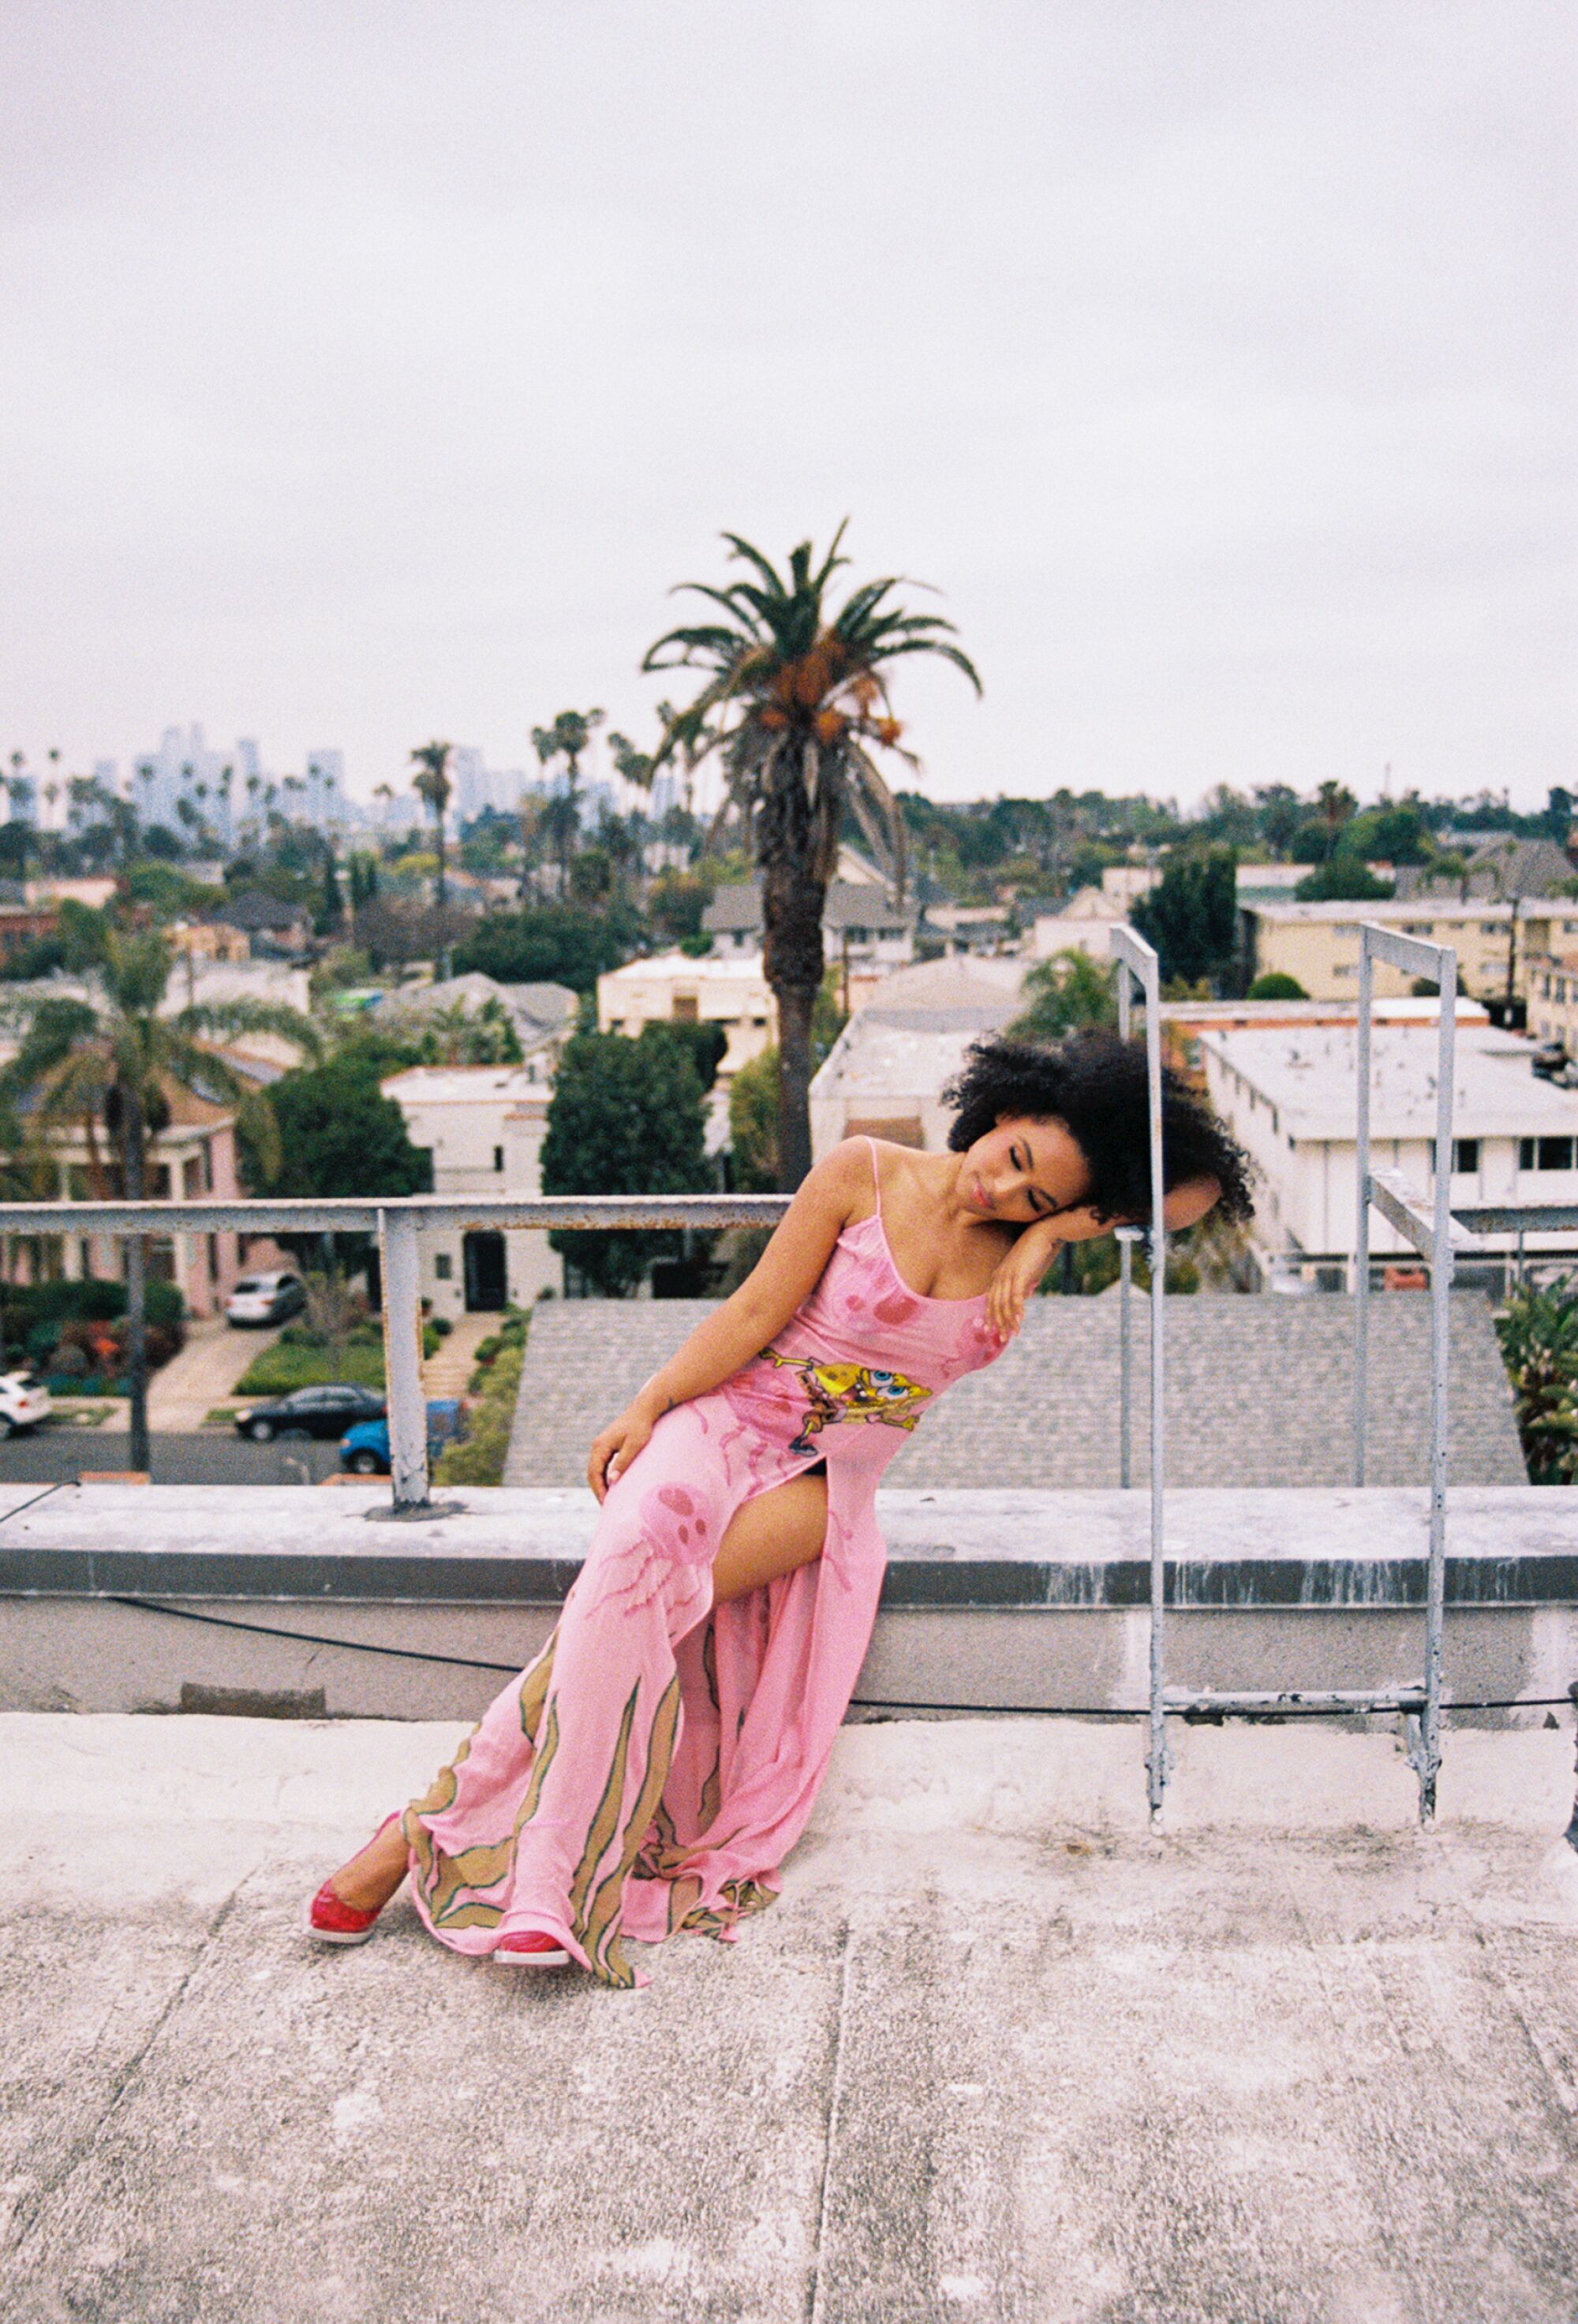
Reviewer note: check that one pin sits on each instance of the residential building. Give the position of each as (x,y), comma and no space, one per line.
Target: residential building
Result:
(1183,1023)
(192,1157)
(727,990)
(885,1074)
(969,927)
(22,925)
(863,926)
(1552,999)
(273,928)
(1081,925)
(484,1126)
(1498,868)
(1288,1095)
(542,1017)
(1318,944)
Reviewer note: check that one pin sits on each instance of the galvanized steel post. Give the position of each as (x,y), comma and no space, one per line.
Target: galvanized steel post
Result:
(1126,1236)
(401,1254)
(1362,1211)
(1441,1270)
(1140,959)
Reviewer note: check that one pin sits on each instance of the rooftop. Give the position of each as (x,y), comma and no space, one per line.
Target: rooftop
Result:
(1310,1075)
(710,968)
(1390,909)
(851,903)
(462,1084)
(996,2052)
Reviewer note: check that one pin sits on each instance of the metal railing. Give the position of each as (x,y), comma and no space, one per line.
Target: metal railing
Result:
(398,1226)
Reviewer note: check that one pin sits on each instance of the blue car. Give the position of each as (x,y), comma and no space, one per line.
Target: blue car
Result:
(365,1449)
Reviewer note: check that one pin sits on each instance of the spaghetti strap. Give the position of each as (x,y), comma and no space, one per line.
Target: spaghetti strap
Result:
(876,1175)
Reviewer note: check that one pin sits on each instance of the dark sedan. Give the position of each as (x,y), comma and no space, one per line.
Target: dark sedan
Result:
(310,1412)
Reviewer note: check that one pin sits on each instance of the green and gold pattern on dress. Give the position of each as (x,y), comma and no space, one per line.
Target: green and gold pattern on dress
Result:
(441,1877)
(837,1393)
(598,1931)
(736,1900)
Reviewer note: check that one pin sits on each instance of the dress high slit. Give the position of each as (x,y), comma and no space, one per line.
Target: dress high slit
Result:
(649,1770)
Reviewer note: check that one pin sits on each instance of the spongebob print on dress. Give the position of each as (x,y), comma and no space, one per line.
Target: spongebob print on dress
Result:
(840,1392)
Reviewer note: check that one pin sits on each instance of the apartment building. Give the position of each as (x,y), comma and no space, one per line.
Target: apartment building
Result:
(727,990)
(1289,1095)
(484,1126)
(1318,944)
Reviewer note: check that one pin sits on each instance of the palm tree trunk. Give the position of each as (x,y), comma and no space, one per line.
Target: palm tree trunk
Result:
(136,1278)
(792,961)
(438,820)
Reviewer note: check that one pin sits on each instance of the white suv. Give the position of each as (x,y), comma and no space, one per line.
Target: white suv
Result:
(265,1299)
(24,1401)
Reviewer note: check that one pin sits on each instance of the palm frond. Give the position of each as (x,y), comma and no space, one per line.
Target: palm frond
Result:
(945,652)
(752,555)
(225,1019)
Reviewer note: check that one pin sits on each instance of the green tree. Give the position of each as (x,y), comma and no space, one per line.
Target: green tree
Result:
(106,1064)
(1066,991)
(625,1117)
(1191,917)
(1341,880)
(702,1046)
(1277,985)
(338,1135)
(558,943)
(1538,1333)
(431,783)
(796,702)
(753,1125)
(569,738)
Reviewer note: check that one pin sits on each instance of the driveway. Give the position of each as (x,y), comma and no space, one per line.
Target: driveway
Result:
(183,1393)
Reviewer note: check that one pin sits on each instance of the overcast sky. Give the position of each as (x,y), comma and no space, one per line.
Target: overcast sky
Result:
(373,370)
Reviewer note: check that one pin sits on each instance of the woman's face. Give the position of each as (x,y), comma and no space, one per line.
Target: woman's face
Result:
(1028,1168)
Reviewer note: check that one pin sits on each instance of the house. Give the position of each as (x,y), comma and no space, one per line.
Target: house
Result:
(191,1159)
(1081,925)
(542,1017)
(863,928)
(1288,1095)
(272,926)
(208,940)
(1552,999)
(1318,944)
(482,1126)
(969,927)
(885,1074)
(1183,1023)
(727,990)
(1498,868)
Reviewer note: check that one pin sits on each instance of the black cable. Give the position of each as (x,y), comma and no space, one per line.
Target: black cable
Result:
(37,1497)
(865,1702)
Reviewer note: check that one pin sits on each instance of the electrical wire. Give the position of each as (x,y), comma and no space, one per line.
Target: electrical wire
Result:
(1198,1712)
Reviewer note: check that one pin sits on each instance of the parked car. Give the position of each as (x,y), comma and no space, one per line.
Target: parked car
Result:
(266,1298)
(24,1401)
(365,1449)
(309,1411)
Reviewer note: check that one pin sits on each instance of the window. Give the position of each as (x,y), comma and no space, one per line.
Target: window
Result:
(443,1266)
(1545,1154)
(686,1009)
(1465,1156)
(498,1158)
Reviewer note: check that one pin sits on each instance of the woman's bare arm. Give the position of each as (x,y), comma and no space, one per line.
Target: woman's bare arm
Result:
(781,1281)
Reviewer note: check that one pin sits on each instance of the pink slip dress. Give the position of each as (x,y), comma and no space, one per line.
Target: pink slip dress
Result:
(649,1770)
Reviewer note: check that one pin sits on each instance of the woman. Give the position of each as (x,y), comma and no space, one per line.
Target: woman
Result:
(649,1770)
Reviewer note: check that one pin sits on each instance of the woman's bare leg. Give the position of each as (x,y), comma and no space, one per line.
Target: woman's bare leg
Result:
(369,1879)
(773,1534)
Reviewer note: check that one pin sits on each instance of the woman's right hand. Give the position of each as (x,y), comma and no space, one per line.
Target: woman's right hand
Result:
(616,1448)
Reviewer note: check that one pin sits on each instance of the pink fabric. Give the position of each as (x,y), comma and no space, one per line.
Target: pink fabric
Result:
(650,1769)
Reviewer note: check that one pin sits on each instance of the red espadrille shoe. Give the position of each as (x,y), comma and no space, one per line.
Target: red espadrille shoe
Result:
(330,1920)
(531,1949)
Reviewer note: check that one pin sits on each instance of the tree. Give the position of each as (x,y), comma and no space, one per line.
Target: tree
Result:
(1341,880)
(338,1135)
(1277,985)
(701,1047)
(796,702)
(625,1117)
(568,738)
(106,1063)
(432,785)
(753,1125)
(1191,917)
(559,944)
(1066,991)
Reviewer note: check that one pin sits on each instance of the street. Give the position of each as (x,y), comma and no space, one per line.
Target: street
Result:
(59,1455)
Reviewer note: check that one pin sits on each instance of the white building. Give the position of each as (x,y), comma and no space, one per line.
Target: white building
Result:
(1082,925)
(1289,1096)
(484,1126)
(885,1075)
(672,988)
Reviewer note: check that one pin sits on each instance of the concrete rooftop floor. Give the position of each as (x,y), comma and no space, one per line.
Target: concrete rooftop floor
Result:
(997,2054)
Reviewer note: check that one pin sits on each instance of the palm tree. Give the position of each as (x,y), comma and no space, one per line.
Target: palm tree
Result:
(431,784)
(568,738)
(796,700)
(107,1061)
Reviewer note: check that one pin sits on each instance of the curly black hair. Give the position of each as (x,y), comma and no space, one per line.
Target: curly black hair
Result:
(1094,1084)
